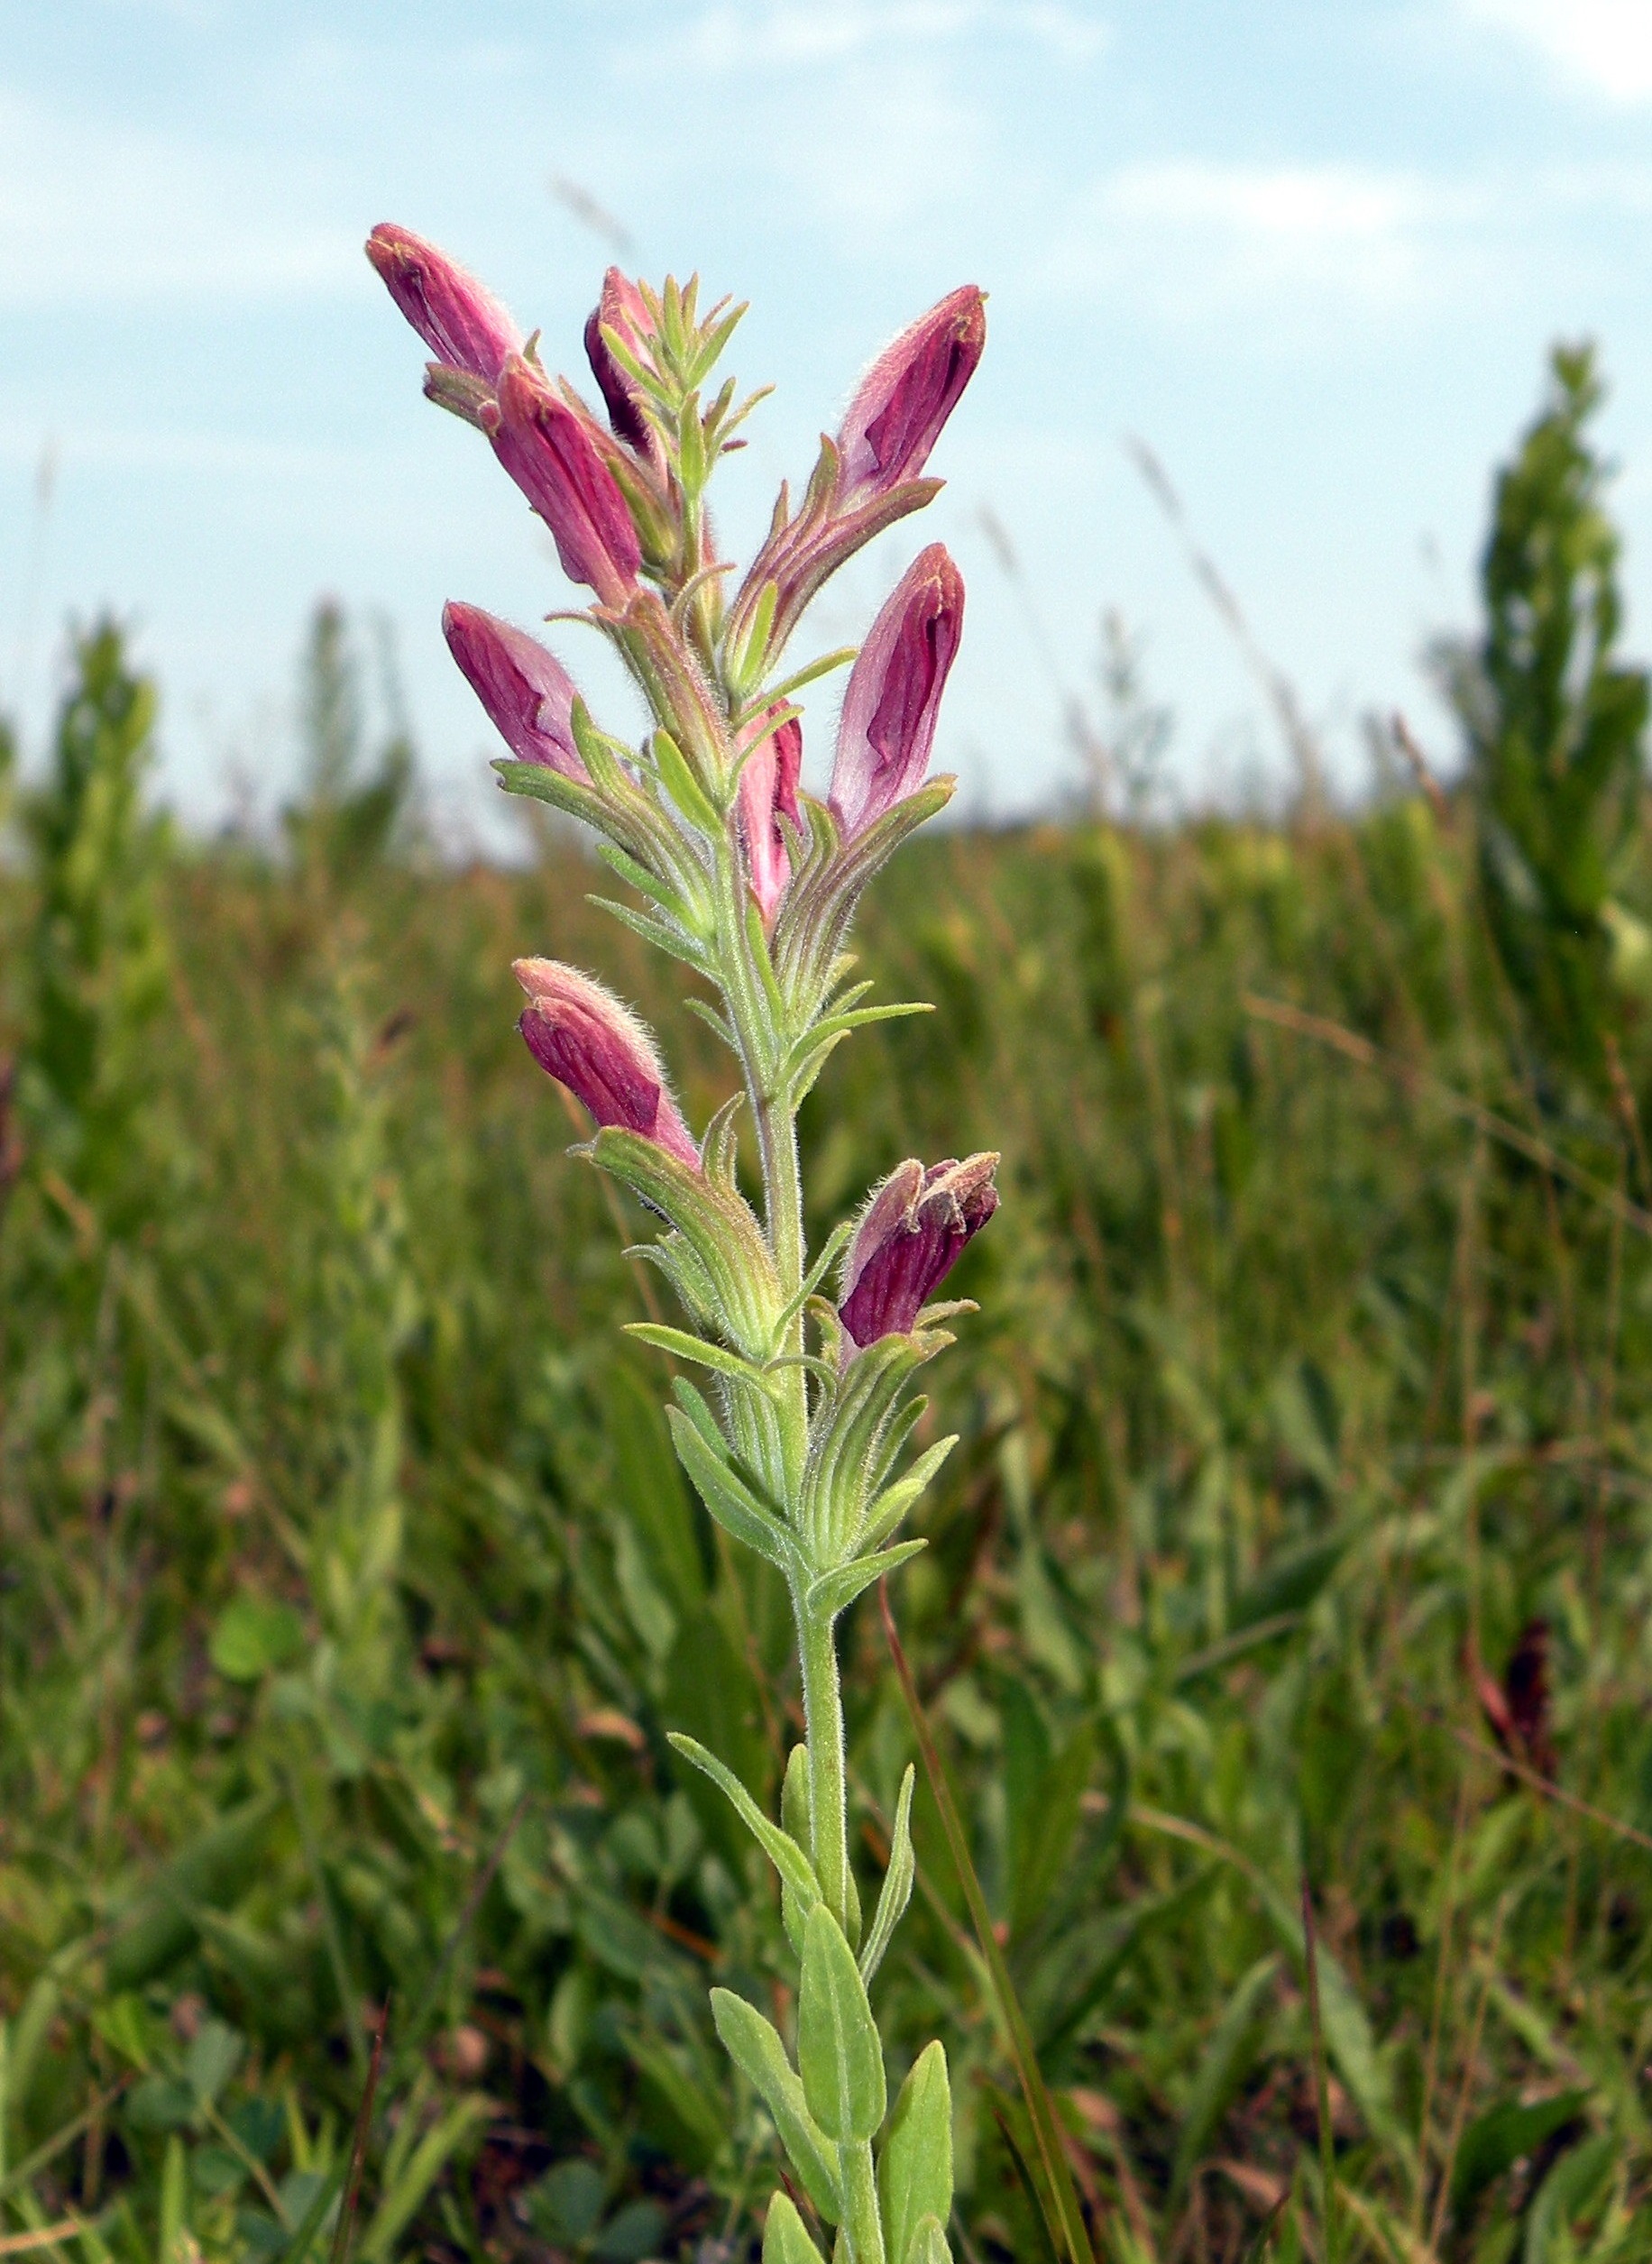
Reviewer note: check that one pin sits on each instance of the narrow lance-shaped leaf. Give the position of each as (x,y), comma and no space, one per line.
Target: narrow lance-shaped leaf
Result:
(754,2045)
(838,2054)
(787,1857)
(785,2237)
(896,1890)
(914,2173)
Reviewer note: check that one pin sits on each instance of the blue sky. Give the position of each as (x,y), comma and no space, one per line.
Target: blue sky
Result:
(1312,253)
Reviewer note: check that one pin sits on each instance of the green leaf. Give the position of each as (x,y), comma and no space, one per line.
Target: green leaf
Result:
(631,2233)
(785,2237)
(680,1345)
(683,787)
(711,1693)
(730,1500)
(783,1851)
(1495,2142)
(914,2172)
(425,2165)
(651,1490)
(213,2055)
(838,2054)
(1570,2188)
(896,1890)
(890,1505)
(834,1591)
(1226,2061)
(929,2243)
(754,2045)
(1042,1855)
(1289,1582)
(253,1636)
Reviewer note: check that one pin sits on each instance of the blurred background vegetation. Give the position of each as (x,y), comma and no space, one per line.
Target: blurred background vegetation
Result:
(1301,1534)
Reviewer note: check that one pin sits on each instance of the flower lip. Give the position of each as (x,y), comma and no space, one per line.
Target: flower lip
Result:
(580,1034)
(526,689)
(464,325)
(620,309)
(914,1230)
(908,395)
(549,452)
(768,793)
(892,704)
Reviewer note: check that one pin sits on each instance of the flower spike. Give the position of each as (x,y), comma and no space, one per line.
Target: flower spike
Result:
(526,691)
(907,396)
(910,1236)
(464,325)
(580,1034)
(893,699)
(544,446)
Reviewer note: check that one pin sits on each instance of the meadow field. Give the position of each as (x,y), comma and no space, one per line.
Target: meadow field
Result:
(1283,1626)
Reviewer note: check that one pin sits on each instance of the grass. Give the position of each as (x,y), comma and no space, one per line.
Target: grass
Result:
(1300,1535)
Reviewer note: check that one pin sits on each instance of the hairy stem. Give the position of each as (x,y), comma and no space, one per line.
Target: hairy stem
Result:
(827,1788)
(861,2219)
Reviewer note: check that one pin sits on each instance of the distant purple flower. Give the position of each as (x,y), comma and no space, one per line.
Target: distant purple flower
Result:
(549,452)
(526,691)
(586,1040)
(894,695)
(621,310)
(768,791)
(904,398)
(464,325)
(910,1236)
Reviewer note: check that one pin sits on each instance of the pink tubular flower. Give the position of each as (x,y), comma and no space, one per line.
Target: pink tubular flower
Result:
(908,395)
(894,695)
(768,791)
(586,1040)
(526,691)
(910,1236)
(548,451)
(621,310)
(464,325)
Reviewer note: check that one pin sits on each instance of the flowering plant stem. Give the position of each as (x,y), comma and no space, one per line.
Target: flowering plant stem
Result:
(752,882)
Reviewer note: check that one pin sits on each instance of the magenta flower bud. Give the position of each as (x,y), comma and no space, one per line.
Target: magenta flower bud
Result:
(910,1236)
(548,451)
(586,1040)
(465,326)
(894,696)
(621,310)
(526,691)
(908,395)
(768,791)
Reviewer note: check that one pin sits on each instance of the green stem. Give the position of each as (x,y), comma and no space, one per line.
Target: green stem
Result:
(828,1787)
(762,1049)
(861,2218)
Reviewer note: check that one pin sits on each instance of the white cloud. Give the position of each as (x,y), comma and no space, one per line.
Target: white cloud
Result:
(731,36)
(100,214)
(1605,45)
(1202,236)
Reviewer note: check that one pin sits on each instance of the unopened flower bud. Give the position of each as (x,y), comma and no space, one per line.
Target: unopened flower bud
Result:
(894,694)
(910,1236)
(768,791)
(464,325)
(546,448)
(526,691)
(586,1040)
(621,310)
(904,398)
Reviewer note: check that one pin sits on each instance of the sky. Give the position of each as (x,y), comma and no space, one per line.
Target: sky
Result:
(1311,252)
